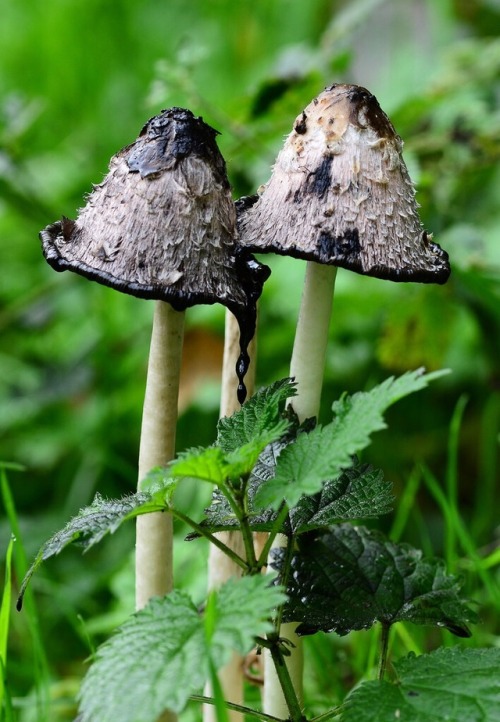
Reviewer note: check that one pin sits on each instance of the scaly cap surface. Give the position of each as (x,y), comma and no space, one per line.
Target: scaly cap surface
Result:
(340,194)
(162,225)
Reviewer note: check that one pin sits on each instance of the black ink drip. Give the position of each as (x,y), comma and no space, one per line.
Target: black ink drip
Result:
(252,275)
(241,369)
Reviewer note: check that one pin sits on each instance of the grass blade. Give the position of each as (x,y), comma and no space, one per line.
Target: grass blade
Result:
(40,662)
(5,608)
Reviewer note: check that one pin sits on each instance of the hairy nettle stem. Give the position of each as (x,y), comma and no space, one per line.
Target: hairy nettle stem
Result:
(384,650)
(288,683)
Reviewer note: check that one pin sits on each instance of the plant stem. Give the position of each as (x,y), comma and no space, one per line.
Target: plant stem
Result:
(236,500)
(221,565)
(274,694)
(278,523)
(451,551)
(286,683)
(157,447)
(335,712)
(214,539)
(236,708)
(384,648)
(307,367)
(245,530)
(40,663)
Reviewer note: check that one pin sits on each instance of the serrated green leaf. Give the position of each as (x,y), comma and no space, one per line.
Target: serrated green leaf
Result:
(159,484)
(321,454)
(352,577)
(244,458)
(241,438)
(257,415)
(162,654)
(243,610)
(217,467)
(358,493)
(207,464)
(448,685)
(153,662)
(92,523)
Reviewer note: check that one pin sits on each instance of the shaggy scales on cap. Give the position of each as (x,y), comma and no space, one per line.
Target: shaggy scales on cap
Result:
(162,224)
(340,194)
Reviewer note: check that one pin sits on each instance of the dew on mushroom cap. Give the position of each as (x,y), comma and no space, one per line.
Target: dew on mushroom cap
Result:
(340,194)
(162,226)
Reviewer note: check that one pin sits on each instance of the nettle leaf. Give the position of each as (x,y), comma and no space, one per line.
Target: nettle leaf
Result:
(214,465)
(241,438)
(358,493)
(159,484)
(162,654)
(243,459)
(92,523)
(243,609)
(303,466)
(257,415)
(449,685)
(352,577)
(208,464)
(220,516)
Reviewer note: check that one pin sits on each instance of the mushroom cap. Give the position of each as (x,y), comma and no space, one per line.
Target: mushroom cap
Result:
(162,224)
(340,194)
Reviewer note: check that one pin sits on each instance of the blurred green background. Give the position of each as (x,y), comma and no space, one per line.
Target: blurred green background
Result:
(78,80)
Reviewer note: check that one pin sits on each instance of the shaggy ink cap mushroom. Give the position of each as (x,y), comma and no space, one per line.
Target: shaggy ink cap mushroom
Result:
(162,226)
(340,194)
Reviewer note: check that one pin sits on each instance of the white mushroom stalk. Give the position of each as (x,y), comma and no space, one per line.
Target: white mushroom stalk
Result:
(340,195)
(153,550)
(307,364)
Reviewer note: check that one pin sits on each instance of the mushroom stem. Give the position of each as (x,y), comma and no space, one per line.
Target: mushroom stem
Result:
(153,557)
(307,368)
(311,338)
(220,566)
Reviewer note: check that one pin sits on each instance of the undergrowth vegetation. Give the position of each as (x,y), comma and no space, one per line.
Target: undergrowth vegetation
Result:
(78,81)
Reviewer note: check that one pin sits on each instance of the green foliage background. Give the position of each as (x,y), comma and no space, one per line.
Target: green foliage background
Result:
(78,81)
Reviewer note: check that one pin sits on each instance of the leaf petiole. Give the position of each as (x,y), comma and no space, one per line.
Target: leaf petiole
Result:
(237,708)
(211,538)
(238,501)
(335,712)
(278,523)
(384,648)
